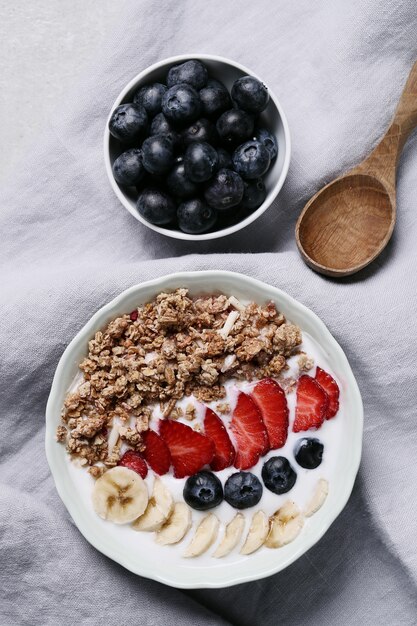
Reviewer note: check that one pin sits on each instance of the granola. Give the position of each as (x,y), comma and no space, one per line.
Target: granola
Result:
(171,347)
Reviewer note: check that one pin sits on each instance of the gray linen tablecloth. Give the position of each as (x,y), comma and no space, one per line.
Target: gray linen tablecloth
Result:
(68,246)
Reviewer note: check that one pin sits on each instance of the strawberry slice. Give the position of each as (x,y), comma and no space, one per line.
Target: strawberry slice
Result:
(224,452)
(272,403)
(312,402)
(134,461)
(190,450)
(156,452)
(249,431)
(331,387)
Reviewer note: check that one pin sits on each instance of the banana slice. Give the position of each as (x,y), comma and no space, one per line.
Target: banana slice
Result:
(319,496)
(257,533)
(160,507)
(232,535)
(286,523)
(120,495)
(176,526)
(204,536)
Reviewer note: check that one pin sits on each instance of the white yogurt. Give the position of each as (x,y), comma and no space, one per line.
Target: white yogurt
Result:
(330,434)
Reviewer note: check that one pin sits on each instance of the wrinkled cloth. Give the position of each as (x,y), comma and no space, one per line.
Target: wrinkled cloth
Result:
(68,246)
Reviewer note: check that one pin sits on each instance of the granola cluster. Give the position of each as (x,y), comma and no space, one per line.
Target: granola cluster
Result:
(169,348)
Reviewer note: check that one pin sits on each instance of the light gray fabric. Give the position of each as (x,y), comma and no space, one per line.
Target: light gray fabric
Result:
(68,246)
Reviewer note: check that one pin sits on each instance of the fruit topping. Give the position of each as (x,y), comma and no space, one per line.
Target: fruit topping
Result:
(156,452)
(278,475)
(312,402)
(224,452)
(331,387)
(286,525)
(159,509)
(203,491)
(309,453)
(242,490)
(190,450)
(249,432)
(120,495)
(257,533)
(205,535)
(177,525)
(272,403)
(134,461)
(232,535)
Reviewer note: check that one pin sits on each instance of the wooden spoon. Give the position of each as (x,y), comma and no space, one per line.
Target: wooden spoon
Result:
(350,221)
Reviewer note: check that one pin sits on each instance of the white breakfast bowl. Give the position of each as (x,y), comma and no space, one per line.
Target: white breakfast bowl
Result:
(124,546)
(273,118)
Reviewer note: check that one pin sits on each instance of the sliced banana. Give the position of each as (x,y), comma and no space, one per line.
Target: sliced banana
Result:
(204,536)
(319,496)
(160,507)
(120,495)
(257,533)
(232,535)
(286,524)
(176,526)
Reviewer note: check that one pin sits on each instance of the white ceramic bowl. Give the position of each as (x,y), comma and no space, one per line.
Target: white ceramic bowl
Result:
(173,570)
(227,71)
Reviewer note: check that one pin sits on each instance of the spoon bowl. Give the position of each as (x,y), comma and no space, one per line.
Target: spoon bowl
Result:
(348,223)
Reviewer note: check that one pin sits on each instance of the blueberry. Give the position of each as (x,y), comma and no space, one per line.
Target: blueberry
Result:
(254,195)
(234,127)
(251,159)
(128,167)
(249,94)
(278,475)
(309,453)
(200,161)
(214,98)
(150,97)
(269,141)
(156,206)
(200,130)
(128,123)
(225,159)
(179,185)
(225,190)
(181,104)
(158,154)
(203,491)
(195,216)
(192,72)
(161,126)
(242,490)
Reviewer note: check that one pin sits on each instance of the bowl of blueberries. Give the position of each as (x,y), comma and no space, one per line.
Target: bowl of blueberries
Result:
(196,147)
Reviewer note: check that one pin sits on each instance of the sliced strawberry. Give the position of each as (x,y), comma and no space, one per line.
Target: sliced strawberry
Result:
(312,402)
(331,387)
(134,461)
(190,450)
(224,452)
(156,452)
(272,402)
(249,431)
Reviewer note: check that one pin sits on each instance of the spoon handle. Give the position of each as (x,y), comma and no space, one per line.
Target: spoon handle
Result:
(382,161)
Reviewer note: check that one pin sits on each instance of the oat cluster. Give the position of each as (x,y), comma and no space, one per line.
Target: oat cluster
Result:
(169,348)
